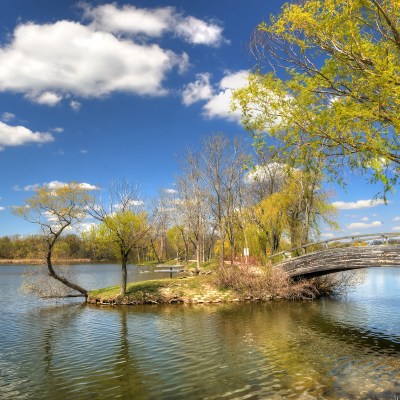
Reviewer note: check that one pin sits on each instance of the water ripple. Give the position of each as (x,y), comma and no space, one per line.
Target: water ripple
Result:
(319,350)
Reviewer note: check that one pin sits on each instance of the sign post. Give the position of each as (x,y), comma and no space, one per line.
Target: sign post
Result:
(246,254)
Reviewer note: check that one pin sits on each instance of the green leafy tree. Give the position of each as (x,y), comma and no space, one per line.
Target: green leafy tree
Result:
(334,93)
(6,247)
(123,225)
(306,204)
(176,239)
(55,210)
(122,232)
(269,216)
(295,211)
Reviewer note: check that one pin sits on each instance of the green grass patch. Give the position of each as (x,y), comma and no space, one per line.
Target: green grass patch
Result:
(160,291)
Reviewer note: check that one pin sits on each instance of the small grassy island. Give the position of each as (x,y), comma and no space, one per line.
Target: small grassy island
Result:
(194,289)
(220,285)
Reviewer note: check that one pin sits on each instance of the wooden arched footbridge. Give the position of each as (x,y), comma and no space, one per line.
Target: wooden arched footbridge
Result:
(340,254)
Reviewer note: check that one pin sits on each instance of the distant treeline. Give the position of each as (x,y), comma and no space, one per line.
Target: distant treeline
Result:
(33,246)
(73,246)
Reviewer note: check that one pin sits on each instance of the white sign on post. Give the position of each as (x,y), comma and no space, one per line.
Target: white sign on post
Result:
(246,251)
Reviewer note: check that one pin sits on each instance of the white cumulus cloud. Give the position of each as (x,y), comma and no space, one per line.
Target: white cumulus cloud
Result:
(219,106)
(82,185)
(198,90)
(52,185)
(268,172)
(11,136)
(130,19)
(30,188)
(58,129)
(2,208)
(128,204)
(363,225)
(396,228)
(170,191)
(7,116)
(52,61)
(153,22)
(196,31)
(75,105)
(355,205)
(46,98)
(218,97)
(327,235)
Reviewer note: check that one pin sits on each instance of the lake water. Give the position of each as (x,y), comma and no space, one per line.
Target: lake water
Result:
(347,348)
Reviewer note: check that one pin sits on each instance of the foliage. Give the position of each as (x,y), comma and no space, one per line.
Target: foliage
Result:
(119,232)
(339,283)
(123,224)
(175,239)
(334,93)
(55,210)
(37,282)
(269,214)
(262,283)
(292,213)
(190,209)
(69,246)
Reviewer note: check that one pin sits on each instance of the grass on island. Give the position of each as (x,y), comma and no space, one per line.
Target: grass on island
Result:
(224,284)
(191,265)
(190,289)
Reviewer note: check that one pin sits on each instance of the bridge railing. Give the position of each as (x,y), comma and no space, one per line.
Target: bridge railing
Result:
(343,241)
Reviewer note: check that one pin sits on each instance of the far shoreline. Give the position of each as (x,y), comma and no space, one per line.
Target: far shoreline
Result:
(38,261)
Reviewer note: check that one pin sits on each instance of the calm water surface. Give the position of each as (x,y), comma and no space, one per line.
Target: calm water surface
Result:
(331,349)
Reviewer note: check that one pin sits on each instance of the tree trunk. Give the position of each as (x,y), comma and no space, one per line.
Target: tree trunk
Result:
(222,251)
(186,250)
(124,275)
(246,244)
(138,255)
(63,280)
(155,251)
(203,248)
(275,241)
(198,257)
(162,248)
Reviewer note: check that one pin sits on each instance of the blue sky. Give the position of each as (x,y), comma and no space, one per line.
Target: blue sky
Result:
(95,91)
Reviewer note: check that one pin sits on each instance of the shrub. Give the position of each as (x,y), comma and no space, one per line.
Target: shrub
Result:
(339,283)
(37,282)
(252,282)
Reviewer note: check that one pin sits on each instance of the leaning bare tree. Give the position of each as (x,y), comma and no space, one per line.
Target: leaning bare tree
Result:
(55,210)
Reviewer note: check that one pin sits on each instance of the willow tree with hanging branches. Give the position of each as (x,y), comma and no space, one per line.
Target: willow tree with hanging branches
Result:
(326,85)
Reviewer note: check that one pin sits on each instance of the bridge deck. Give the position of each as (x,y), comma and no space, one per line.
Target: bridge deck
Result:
(340,259)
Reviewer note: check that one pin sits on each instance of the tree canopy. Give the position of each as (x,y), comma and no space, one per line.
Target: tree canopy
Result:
(55,210)
(123,224)
(334,89)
